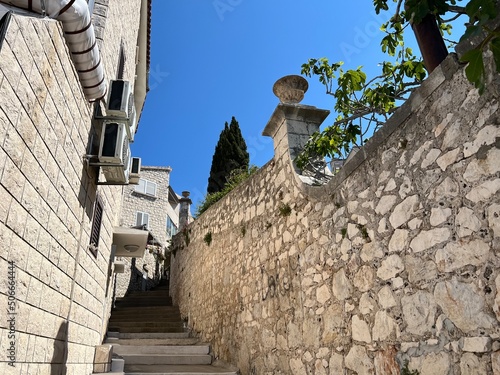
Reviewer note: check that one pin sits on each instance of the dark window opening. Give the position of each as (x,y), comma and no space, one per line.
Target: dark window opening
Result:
(121,62)
(96,226)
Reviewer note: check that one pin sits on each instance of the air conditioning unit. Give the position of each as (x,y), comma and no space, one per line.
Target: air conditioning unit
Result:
(132,119)
(135,170)
(114,152)
(121,104)
(119,99)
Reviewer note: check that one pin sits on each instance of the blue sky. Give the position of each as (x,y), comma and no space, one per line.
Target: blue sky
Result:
(214,59)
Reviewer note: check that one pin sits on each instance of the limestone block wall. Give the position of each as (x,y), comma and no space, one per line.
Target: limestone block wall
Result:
(395,260)
(61,292)
(149,267)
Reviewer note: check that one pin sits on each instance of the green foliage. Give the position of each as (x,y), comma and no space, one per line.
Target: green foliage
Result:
(364,232)
(363,105)
(235,178)
(230,154)
(285,210)
(406,371)
(208,238)
(186,234)
(480,13)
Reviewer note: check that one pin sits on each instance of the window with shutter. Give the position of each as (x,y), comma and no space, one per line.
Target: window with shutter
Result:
(142,218)
(95,232)
(146,187)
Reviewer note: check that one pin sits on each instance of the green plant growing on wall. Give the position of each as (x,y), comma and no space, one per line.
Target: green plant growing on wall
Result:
(186,234)
(406,371)
(285,210)
(364,232)
(236,177)
(208,238)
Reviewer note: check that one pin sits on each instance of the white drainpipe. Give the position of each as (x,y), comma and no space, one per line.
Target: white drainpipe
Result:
(80,38)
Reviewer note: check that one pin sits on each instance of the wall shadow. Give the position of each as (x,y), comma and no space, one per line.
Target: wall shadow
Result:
(60,356)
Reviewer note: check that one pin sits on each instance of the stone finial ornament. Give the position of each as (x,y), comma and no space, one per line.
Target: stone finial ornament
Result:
(290,89)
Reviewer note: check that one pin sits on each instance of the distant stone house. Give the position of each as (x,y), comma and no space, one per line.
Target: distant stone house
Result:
(154,206)
(58,212)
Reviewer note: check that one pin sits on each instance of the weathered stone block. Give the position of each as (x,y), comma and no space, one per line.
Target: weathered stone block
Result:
(357,360)
(427,239)
(463,304)
(360,330)
(456,255)
(480,344)
(390,267)
(419,312)
(472,365)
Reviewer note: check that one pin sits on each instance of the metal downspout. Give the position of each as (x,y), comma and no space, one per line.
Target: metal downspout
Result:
(80,38)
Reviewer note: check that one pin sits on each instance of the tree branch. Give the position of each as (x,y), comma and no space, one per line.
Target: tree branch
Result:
(452,18)
(456,9)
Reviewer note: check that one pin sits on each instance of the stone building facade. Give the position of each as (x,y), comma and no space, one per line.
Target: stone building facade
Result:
(394,261)
(154,204)
(57,289)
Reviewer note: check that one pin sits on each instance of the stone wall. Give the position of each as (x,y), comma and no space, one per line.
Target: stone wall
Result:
(47,196)
(149,268)
(395,260)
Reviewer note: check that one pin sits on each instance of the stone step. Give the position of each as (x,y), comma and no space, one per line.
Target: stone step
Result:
(143,316)
(152,335)
(143,303)
(144,309)
(147,293)
(159,296)
(178,329)
(123,350)
(165,300)
(145,324)
(163,359)
(178,370)
(134,318)
(152,342)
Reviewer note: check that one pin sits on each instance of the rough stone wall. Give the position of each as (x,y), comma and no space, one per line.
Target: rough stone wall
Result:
(395,260)
(157,207)
(47,196)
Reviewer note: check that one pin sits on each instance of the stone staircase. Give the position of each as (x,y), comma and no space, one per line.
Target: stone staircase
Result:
(147,332)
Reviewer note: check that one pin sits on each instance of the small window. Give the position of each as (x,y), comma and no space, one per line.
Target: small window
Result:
(142,218)
(95,233)
(171,227)
(146,187)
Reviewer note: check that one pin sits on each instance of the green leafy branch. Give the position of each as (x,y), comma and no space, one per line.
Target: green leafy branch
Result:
(480,13)
(363,106)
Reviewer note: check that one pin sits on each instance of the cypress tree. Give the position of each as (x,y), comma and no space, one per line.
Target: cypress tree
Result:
(230,154)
